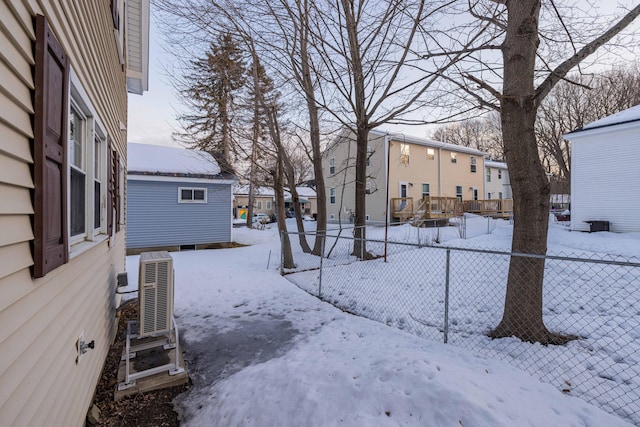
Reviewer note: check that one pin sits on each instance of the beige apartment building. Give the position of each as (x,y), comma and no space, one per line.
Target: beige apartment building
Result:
(399,166)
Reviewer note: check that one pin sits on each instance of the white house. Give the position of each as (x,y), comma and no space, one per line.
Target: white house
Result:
(496,180)
(605,177)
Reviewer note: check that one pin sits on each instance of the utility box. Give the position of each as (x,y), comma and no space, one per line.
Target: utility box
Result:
(598,226)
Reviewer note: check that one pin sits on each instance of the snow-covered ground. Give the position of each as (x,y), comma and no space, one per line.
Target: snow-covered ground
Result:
(263,352)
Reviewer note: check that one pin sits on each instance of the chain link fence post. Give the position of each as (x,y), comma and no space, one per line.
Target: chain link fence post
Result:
(282,253)
(322,247)
(446,298)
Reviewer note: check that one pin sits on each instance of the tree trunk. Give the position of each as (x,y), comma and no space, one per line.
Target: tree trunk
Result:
(522,315)
(360,220)
(314,129)
(278,186)
(295,200)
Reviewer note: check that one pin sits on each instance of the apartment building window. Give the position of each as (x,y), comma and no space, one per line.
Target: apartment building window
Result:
(404,154)
(499,173)
(259,204)
(431,153)
(454,158)
(459,192)
(332,166)
(368,187)
(488,172)
(473,164)
(332,196)
(268,204)
(425,190)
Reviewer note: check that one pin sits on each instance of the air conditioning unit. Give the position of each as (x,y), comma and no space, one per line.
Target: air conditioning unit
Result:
(155,294)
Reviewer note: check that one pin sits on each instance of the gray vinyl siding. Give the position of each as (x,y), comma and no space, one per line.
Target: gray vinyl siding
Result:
(605,179)
(155,218)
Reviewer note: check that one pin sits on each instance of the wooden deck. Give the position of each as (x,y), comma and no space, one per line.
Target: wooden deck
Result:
(430,209)
(496,208)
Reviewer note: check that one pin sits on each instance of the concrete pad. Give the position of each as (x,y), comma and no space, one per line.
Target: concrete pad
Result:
(144,360)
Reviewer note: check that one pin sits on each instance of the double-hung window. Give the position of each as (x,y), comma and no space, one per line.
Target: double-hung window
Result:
(332,196)
(332,166)
(404,154)
(431,153)
(488,173)
(473,164)
(87,154)
(454,158)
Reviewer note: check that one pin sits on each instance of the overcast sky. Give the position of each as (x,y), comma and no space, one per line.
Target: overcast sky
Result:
(152,116)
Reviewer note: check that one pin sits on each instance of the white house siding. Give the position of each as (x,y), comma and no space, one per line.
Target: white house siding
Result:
(497,185)
(605,177)
(40,383)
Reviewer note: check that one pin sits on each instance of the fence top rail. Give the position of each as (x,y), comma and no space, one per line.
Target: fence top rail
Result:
(477,250)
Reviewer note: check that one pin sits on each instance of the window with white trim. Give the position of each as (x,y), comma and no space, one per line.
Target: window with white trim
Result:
(88,163)
(499,173)
(332,166)
(454,158)
(192,195)
(368,187)
(488,173)
(332,196)
(259,204)
(268,204)
(431,153)
(459,192)
(404,153)
(473,164)
(425,190)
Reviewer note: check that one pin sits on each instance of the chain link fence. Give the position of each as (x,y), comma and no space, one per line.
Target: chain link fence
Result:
(457,296)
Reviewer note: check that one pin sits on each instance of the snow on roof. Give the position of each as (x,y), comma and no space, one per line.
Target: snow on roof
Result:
(268,191)
(258,191)
(495,164)
(625,116)
(428,142)
(160,159)
(306,192)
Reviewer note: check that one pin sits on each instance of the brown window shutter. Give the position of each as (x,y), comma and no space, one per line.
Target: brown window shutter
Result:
(51,241)
(117,190)
(110,194)
(115,15)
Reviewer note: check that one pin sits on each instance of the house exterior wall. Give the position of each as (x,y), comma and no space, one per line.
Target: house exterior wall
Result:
(41,319)
(155,218)
(242,200)
(499,182)
(605,178)
(440,173)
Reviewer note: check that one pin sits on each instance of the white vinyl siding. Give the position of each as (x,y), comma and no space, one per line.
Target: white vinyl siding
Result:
(598,191)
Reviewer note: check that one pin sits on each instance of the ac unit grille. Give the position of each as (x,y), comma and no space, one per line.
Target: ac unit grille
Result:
(156,293)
